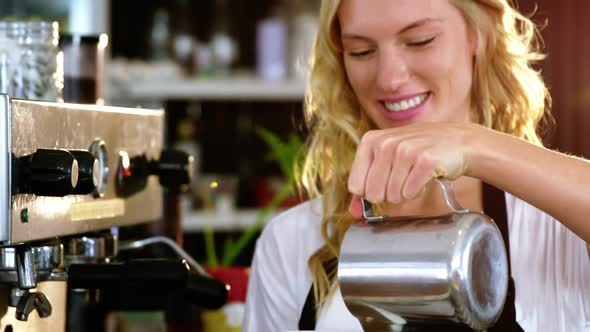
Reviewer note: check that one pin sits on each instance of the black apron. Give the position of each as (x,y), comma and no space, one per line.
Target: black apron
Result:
(494,205)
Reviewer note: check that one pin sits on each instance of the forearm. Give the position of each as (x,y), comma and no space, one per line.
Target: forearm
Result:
(553,182)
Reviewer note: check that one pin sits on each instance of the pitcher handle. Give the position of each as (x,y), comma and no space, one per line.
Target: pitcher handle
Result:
(448,192)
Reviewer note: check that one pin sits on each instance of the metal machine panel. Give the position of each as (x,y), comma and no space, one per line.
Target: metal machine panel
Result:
(26,126)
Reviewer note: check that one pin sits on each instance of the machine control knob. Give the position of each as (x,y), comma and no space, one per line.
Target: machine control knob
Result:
(174,169)
(88,172)
(47,172)
(131,177)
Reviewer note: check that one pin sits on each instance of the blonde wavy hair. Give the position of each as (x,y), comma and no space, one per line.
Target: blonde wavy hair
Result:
(508,95)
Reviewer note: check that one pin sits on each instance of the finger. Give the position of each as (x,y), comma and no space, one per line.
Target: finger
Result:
(402,164)
(361,164)
(355,209)
(420,174)
(379,171)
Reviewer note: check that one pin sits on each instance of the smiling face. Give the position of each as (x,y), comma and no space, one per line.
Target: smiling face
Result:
(408,60)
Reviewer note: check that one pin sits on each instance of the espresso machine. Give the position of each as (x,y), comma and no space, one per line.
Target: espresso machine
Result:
(73,176)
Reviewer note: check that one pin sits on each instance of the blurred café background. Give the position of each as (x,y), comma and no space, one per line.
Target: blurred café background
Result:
(230,75)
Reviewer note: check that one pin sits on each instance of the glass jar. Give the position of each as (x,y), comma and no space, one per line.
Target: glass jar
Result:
(81,68)
(29,60)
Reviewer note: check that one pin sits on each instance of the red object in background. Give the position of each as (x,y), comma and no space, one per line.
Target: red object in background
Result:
(236,278)
(266,188)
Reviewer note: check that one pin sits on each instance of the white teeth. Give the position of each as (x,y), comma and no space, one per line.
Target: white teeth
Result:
(406,104)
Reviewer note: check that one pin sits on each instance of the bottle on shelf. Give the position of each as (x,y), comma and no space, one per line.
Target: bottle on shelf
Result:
(160,36)
(187,142)
(183,43)
(223,46)
(272,46)
(302,27)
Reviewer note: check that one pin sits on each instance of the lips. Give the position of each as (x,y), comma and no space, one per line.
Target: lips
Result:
(405,108)
(406,103)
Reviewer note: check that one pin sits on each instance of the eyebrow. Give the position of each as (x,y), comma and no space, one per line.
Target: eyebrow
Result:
(407,28)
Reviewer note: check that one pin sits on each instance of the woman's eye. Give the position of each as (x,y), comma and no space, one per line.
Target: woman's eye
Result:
(422,42)
(359,54)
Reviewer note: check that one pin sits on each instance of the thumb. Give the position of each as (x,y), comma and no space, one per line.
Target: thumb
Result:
(355,208)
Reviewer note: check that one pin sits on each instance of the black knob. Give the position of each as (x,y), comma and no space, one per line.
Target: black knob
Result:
(132,174)
(88,171)
(47,172)
(175,168)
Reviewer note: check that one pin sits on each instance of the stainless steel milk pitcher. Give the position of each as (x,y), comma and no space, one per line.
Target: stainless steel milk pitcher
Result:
(444,269)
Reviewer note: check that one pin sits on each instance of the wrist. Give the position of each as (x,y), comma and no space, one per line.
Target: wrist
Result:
(483,151)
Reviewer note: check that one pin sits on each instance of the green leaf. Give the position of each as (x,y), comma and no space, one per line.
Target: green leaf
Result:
(286,154)
(234,250)
(210,246)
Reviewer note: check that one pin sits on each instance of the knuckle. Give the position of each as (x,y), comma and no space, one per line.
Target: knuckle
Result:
(426,160)
(403,150)
(368,137)
(388,145)
(382,148)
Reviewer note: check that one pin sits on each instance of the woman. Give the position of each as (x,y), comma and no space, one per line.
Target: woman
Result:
(400,92)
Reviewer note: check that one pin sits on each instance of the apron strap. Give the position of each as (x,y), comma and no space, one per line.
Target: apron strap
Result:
(494,205)
(307,320)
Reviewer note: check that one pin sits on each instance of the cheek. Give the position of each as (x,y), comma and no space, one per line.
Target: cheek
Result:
(438,65)
(447,69)
(359,76)
(461,72)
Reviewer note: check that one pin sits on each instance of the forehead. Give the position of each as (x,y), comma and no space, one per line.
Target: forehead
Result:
(359,15)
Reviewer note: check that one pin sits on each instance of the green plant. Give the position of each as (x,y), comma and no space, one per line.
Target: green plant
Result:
(286,154)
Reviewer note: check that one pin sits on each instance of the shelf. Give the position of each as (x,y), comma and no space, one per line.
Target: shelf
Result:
(233,89)
(228,221)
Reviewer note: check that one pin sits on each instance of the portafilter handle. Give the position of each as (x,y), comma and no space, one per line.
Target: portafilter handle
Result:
(158,277)
(32,301)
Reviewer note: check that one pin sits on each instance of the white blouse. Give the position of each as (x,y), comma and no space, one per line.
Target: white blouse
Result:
(550,268)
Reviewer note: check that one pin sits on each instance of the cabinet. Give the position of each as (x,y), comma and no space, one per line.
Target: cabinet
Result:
(228,111)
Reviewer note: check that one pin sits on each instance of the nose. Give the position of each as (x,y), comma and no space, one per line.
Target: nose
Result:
(392,70)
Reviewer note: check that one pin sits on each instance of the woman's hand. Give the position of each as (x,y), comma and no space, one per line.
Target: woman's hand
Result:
(396,164)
